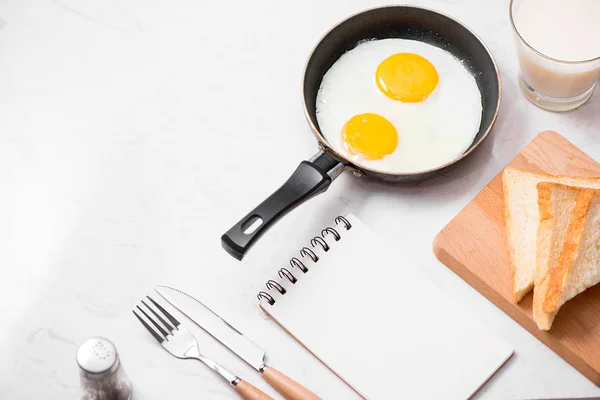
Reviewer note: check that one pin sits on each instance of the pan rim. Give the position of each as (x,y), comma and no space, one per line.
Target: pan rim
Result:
(328,148)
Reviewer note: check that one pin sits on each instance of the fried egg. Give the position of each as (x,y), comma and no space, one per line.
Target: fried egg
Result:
(398,105)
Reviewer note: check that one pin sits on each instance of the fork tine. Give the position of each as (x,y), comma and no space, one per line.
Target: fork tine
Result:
(160,328)
(165,312)
(152,331)
(165,323)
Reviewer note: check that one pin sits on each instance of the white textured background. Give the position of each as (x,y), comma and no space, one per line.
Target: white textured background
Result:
(133,133)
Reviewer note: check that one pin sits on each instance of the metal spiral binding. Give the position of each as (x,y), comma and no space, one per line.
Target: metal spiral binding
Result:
(294,262)
(319,240)
(285,273)
(304,252)
(264,295)
(308,252)
(344,220)
(333,231)
(274,284)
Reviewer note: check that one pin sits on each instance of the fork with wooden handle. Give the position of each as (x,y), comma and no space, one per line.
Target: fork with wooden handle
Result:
(235,341)
(180,342)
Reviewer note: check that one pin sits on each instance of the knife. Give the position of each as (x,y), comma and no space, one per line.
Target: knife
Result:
(235,341)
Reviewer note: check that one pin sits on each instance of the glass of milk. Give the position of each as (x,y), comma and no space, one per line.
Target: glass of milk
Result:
(558,46)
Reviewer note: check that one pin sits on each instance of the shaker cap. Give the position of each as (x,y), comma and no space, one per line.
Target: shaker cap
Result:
(96,355)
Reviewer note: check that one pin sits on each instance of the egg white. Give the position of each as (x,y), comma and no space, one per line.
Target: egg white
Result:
(431,133)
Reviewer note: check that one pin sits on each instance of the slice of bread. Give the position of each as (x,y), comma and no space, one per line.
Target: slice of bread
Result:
(578,265)
(522,220)
(555,203)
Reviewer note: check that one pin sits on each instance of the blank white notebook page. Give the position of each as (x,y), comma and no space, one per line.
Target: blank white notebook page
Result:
(382,326)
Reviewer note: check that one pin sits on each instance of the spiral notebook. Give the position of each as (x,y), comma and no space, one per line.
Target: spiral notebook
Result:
(381,326)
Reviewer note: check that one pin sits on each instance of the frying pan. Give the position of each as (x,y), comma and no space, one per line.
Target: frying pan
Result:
(314,176)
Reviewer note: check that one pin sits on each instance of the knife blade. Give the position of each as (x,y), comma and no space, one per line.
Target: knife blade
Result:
(235,341)
(215,326)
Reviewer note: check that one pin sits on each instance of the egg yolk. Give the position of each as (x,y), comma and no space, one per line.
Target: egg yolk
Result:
(406,77)
(369,135)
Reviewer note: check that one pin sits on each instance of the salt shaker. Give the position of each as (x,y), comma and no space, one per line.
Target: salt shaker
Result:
(101,374)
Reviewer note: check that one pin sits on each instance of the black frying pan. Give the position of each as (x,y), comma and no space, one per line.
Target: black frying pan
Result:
(314,176)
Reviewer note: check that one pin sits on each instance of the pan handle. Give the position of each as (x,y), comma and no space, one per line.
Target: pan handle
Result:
(310,178)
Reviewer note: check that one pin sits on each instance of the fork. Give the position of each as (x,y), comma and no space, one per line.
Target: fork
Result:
(182,344)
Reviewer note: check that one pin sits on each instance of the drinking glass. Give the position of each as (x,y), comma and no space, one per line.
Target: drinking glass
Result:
(550,83)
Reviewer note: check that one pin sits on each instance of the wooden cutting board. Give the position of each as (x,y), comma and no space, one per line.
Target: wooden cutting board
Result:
(473,246)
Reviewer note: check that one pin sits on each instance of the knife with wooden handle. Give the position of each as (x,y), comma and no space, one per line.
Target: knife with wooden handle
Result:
(235,341)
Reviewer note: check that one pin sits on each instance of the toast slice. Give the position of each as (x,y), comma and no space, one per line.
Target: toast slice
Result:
(555,203)
(522,220)
(578,265)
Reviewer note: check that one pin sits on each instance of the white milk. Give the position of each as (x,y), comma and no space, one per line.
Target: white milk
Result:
(567,30)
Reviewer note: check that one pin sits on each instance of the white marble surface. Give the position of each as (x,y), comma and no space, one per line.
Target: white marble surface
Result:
(133,133)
